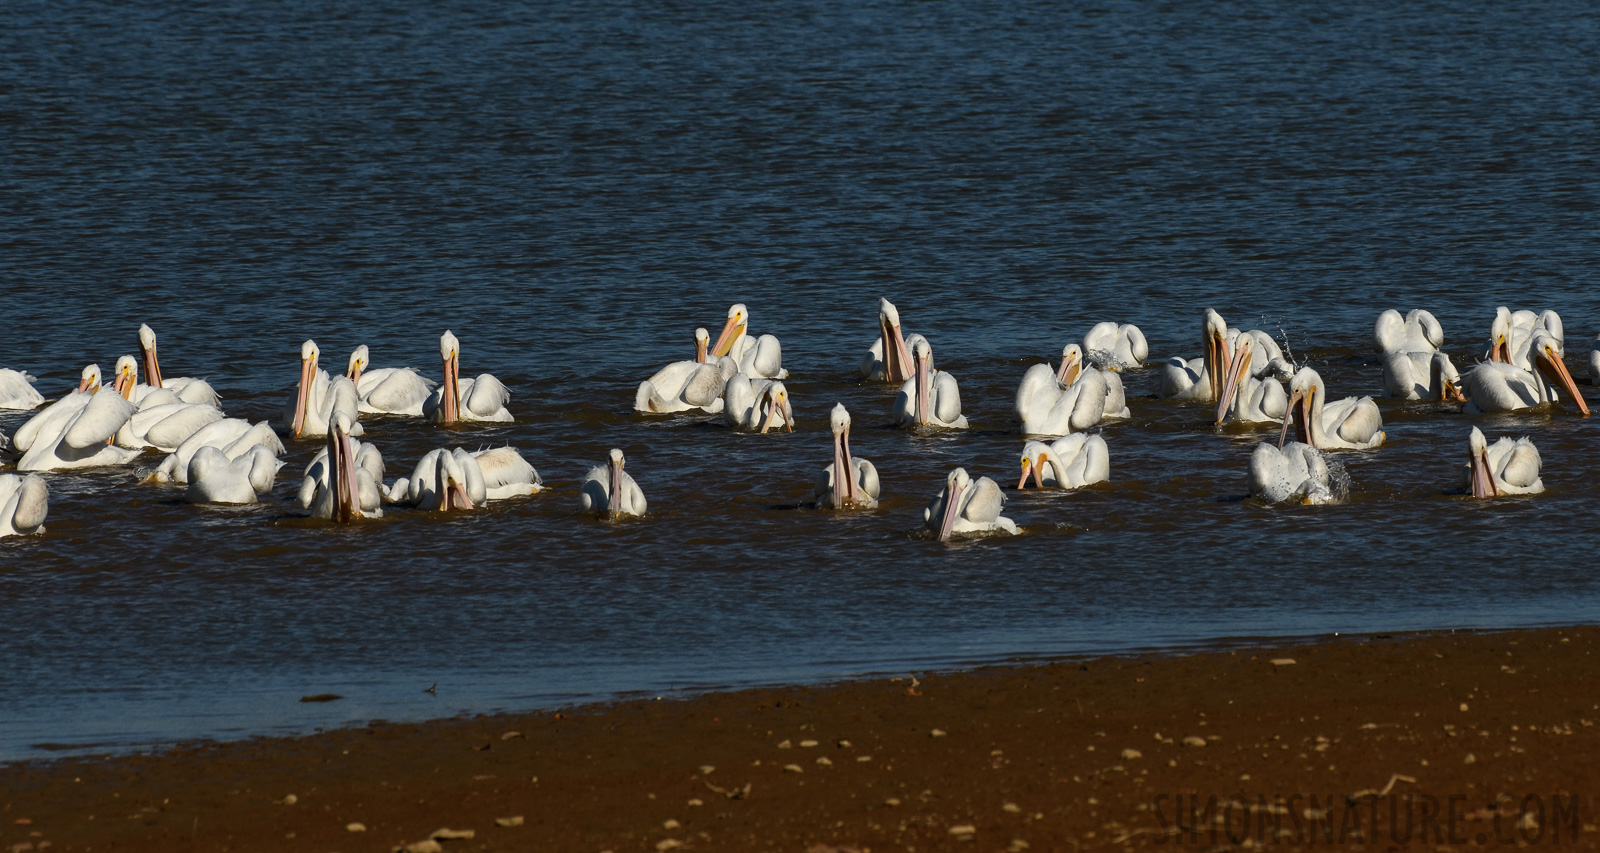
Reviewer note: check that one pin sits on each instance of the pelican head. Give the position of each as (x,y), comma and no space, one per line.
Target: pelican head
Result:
(887,313)
(1305,406)
(844,474)
(777,407)
(1214,331)
(1482,477)
(738,322)
(1238,369)
(450,394)
(1500,336)
(614,502)
(896,358)
(955,484)
(702,345)
(1548,354)
(89,380)
(147,351)
(358,362)
(309,352)
(1071,364)
(452,483)
(127,376)
(342,468)
(1447,379)
(1035,454)
(922,357)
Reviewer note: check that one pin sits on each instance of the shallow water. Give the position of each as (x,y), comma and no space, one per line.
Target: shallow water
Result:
(573,188)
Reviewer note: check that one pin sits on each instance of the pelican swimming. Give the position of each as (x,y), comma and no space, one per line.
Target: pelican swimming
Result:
(233,436)
(160,420)
(17,392)
(1505,468)
(1506,386)
(76,431)
(1200,380)
(1070,399)
(1414,368)
(1296,471)
(1512,332)
(685,385)
(446,479)
(849,481)
(1116,346)
(24,503)
(889,357)
(317,398)
(756,405)
(609,490)
(188,389)
(344,481)
(968,508)
(386,390)
(482,399)
(1071,462)
(930,397)
(1246,398)
(216,479)
(760,358)
(1352,423)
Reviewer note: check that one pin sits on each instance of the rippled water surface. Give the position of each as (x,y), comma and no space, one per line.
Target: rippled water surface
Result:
(574,187)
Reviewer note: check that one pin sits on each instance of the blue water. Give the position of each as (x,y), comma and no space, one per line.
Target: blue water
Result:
(572,188)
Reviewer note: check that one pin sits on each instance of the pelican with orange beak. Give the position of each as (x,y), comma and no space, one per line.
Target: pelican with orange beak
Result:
(1508,467)
(967,508)
(1071,462)
(456,479)
(343,482)
(849,482)
(49,422)
(479,400)
(386,390)
(889,357)
(1353,423)
(930,398)
(611,491)
(76,431)
(756,405)
(160,419)
(759,358)
(1245,398)
(1201,380)
(317,398)
(1502,386)
(17,392)
(1061,402)
(1414,368)
(187,389)
(685,385)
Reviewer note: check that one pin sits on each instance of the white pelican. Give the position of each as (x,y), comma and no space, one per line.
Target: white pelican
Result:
(1071,462)
(17,392)
(968,508)
(1506,468)
(1413,366)
(482,399)
(1353,423)
(1594,362)
(1512,332)
(1116,346)
(609,490)
(160,420)
(45,422)
(849,481)
(756,406)
(188,389)
(455,479)
(761,357)
(1502,386)
(1200,380)
(1297,472)
(930,397)
(1068,400)
(889,357)
(685,385)
(233,436)
(24,503)
(344,481)
(216,479)
(386,390)
(317,398)
(76,431)
(1246,398)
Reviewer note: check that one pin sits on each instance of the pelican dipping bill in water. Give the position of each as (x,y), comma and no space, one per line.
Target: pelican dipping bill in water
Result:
(1505,468)
(344,482)
(447,479)
(1352,423)
(756,405)
(233,436)
(1508,386)
(1295,472)
(387,390)
(1071,462)
(849,481)
(760,358)
(482,399)
(216,479)
(685,385)
(24,503)
(967,508)
(889,357)
(930,397)
(610,491)
(1116,346)
(187,389)
(1414,368)
(17,392)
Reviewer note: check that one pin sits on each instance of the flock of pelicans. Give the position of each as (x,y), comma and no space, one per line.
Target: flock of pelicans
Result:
(1241,374)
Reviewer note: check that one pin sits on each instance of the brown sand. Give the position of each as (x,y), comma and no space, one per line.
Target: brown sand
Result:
(1414,742)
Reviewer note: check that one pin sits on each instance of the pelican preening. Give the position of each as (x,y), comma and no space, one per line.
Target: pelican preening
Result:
(344,482)
(685,385)
(24,503)
(187,389)
(76,431)
(446,479)
(1296,471)
(482,399)
(1505,468)
(1414,368)
(930,397)
(1353,423)
(1071,399)
(610,491)
(1071,462)
(967,508)
(317,398)
(849,481)
(1116,346)
(756,405)
(1201,380)
(17,392)
(386,390)
(889,357)
(760,358)
(214,478)
(1524,379)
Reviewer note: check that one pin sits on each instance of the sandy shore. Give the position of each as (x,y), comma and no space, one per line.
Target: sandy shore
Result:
(1413,742)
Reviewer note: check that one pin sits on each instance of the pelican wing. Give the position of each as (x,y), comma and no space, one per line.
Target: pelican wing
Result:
(487,398)
(986,502)
(176,427)
(1520,461)
(505,472)
(394,390)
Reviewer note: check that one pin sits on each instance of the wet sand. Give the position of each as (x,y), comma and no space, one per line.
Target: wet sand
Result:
(1403,742)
